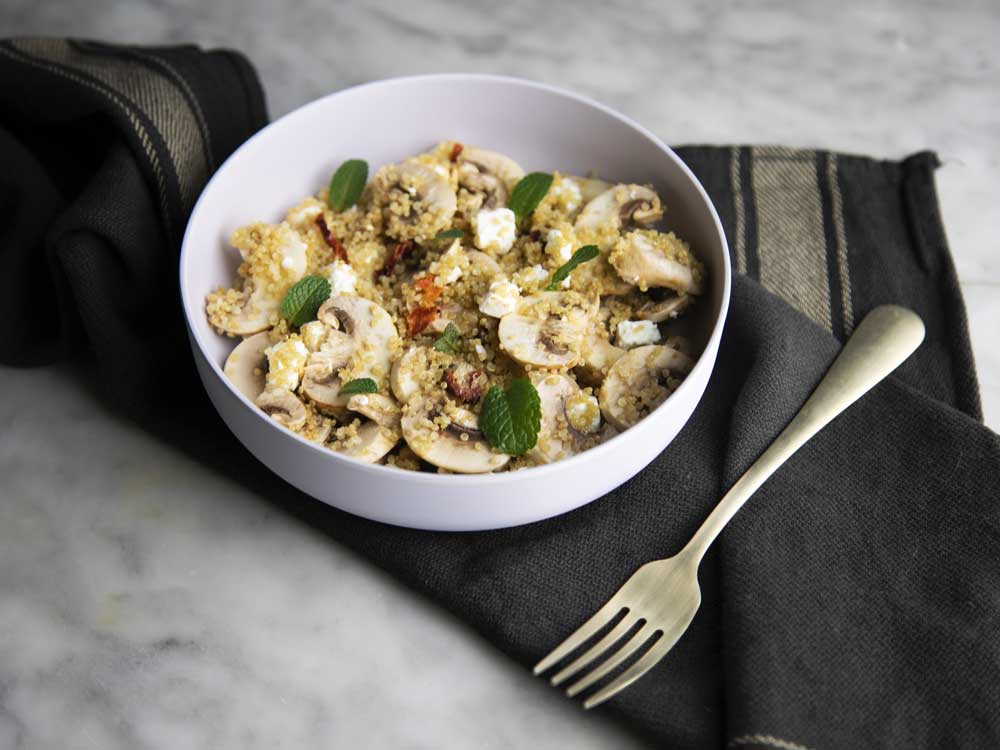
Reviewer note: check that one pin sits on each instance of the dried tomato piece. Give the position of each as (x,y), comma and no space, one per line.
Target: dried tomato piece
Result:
(430,291)
(401,249)
(470,391)
(338,248)
(456,151)
(419,318)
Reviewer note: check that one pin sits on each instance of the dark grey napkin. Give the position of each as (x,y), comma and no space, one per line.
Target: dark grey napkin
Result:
(854,603)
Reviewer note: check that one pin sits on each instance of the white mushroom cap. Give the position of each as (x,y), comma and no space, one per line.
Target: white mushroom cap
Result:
(381,409)
(636,383)
(665,309)
(547,329)
(404,378)
(597,355)
(432,199)
(619,206)
(458,447)
(666,263)
(372,443)
(254,315)
(487,172)
(372,330)
(283,407)
(321,381)
(590,187)
(246,365)
(556,438)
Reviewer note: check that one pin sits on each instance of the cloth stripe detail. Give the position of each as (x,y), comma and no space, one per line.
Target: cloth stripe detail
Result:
(791,237)
(739,232)
(832,261)
(846,301)
(764,740)
(750,218)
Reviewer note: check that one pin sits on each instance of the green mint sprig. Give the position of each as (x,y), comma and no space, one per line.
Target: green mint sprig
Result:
(585,253)
(347,183)
(528,193)
(511,420)
(303,300)
(359,385)
(449,340)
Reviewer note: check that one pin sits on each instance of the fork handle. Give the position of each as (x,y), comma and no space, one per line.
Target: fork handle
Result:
(883,340)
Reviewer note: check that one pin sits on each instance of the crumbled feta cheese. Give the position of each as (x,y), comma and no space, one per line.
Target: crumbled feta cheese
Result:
(558,246)
(536,273)
(313,333)
(286,361)
(342,278)
(583,412)
(448,268)
(293,255)
(495,229)
(572,193)
(633,333)
(501,299)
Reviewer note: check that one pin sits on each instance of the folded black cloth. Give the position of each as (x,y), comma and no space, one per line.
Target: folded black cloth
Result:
(854,603)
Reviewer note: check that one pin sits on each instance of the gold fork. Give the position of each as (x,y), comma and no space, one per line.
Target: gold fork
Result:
(661,598)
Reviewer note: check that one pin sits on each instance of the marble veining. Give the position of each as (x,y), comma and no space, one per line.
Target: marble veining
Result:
(146,602)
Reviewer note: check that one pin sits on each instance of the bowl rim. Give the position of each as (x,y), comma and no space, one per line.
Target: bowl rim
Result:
(505,477)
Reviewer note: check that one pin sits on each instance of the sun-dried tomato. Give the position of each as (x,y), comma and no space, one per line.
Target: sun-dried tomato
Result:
(419,318)
(430,292)
(456,151)
(401,249)
(470,391)
(339,252)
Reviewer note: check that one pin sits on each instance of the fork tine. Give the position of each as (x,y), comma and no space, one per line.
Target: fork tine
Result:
(585,631)
(649,660)
(631,646)
(626,624)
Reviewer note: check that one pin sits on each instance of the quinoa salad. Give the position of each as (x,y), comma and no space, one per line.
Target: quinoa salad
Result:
(455,314)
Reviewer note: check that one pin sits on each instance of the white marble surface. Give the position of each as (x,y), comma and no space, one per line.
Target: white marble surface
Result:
(148,603)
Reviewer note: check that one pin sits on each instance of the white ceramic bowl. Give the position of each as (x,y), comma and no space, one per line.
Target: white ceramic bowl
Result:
(541,127)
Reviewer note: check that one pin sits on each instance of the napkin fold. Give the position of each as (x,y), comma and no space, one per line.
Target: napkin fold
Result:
(854,603)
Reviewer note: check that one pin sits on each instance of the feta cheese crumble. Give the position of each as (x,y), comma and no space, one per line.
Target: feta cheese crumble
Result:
(495,229)
(342,278)
(633,333)
(500,299)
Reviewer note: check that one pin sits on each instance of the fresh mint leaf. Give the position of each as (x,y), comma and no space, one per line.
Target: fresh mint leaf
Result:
(585,253)
(347,183)
(303,300)
(511,420)
(528,193)
(359,385)
(449,234)
(449,340)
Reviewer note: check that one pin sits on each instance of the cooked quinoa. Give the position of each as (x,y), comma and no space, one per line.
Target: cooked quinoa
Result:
(598,350)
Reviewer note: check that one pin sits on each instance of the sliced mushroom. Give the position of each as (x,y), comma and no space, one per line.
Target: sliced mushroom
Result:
(372,443)
(246,365)
(283,407)
(253,315)
(638,383)
(556,439)
(491,174)
(370,327)
(597,355)
(404,378)
(543,342)
(665,309)
(620,206)
(316,429)
(547,329)
(641,262)
(482,263)
(378,407)
(428,196)
(320,381)
(460,446)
